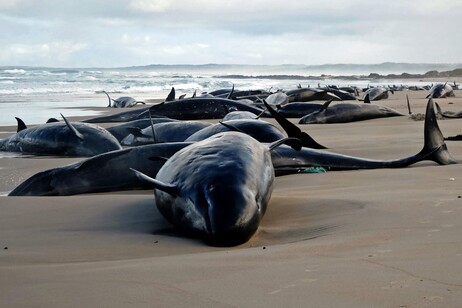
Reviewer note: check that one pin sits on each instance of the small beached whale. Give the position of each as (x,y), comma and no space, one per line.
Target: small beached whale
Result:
(441,91)
(444,114)
(121,131)
(310,94)
(261,130)
(122,102)
(64,139)
(101,173)
(345,112)
(163,132)
(200,108)
(298,110)
(377,93)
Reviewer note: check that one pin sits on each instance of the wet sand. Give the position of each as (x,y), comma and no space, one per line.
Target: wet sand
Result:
(371,238)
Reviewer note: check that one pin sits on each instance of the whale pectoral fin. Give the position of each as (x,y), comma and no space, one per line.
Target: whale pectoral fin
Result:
(294,143)
(21,124)
(260,115)
(135,131)
(101,159)
(168,188)
(157,158)
(408,105)
(333,96)
(73,129)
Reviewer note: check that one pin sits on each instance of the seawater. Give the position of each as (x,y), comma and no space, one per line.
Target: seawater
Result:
(36,94)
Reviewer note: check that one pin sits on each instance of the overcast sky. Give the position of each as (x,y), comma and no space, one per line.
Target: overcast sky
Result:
(113,33)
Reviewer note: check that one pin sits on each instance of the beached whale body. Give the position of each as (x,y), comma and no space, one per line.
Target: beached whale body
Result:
(287,161)
(310,94)
(63,139)
(345,112)
(455,115)
(201,108)
(122,102)
(239,115)
(298,110)
(101,173)
(261,130)
(377,93)
(441,91)
(164,132)
(217,189)
(121,131)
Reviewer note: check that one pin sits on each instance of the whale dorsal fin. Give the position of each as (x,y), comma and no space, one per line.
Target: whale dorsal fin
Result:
(232,128)
(21,125)
(170,189)
(182,96)
(325,105)
(171,95)
(367,99)
(52,120)
(109,98)
(73,129)
(230,95)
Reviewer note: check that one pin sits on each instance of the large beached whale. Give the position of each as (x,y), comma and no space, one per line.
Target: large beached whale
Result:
(61,138)
(217,189)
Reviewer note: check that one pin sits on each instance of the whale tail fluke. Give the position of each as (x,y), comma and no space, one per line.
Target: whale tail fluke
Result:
(434,148)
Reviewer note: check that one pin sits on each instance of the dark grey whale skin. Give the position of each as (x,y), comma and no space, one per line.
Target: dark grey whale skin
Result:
(57,139)
(217,189)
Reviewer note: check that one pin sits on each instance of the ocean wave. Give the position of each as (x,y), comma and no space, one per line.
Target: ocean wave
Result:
(14,71)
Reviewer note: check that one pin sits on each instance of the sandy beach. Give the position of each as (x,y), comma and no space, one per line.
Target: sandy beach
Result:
(371,238)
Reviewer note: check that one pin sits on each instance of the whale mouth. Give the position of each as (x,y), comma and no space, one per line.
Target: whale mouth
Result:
(233,215)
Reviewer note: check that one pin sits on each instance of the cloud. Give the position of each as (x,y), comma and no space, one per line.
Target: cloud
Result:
(138,32)
(156,6)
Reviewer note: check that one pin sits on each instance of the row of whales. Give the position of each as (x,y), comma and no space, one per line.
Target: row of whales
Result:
(193,181)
